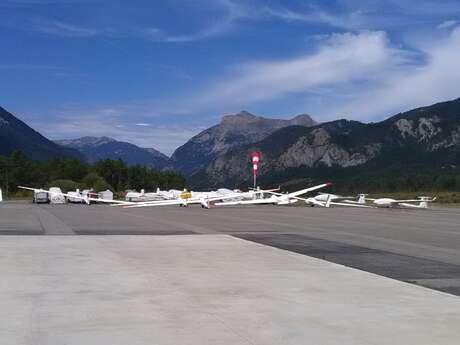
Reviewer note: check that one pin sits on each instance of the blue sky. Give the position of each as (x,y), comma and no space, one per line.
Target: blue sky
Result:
(157,72)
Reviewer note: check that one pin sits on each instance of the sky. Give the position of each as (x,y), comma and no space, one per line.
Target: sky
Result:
(155,73)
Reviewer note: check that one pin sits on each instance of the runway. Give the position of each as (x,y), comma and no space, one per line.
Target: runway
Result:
(79,274)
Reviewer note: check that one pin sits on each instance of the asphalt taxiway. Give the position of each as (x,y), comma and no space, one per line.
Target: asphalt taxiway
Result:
(175,275)
(417,246)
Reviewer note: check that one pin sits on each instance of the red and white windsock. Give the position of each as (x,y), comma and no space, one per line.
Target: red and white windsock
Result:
(255,162)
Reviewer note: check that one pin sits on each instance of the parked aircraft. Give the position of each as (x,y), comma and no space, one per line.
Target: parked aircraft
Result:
(75,196)
(422,201)
(204,198)
(171,195)
(324,197)
(174,194)
(142,196)
(184,198)
(280,199)
(336,200)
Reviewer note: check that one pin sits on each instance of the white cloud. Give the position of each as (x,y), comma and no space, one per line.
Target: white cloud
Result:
(348,20)
(403,15)
(229,13)
(232,13)
(436,80)
(361,76)
(67,30)
(142,124)
(424,7)
(447,24)
(217,29)
(342,58)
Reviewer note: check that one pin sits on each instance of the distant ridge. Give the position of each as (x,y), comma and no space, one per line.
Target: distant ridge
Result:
(98,148)
(16,135)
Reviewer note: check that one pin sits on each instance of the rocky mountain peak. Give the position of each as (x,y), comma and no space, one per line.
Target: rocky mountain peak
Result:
(85,142)
(245,118)
(241,118)
(303,120)
(233,131)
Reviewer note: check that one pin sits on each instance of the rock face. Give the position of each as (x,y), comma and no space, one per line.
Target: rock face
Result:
(342,144)
(98,148)
(16,135)
(233,131)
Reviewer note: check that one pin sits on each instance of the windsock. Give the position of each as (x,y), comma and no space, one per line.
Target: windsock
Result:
(255,162)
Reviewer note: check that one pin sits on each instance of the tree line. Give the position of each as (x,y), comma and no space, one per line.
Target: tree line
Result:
(70,174)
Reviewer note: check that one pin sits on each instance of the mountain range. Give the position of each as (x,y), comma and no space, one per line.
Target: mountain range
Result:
(200,151)
(98,148)
(418,140)
(233,131)
(423,138)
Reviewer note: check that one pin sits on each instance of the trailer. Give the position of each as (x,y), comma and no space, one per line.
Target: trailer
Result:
(41,197)
(107,195)
(56,196)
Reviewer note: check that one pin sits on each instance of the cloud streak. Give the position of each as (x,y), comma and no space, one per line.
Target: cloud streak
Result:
(363,76)
(229,14)
(233,12)
(447,24)
(68,30)
(342,58)
(349,20)
(364,14)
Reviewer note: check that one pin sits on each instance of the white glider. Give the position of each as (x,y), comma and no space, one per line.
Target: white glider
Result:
(337,200)
(205,199)
(280,199)
(422,201)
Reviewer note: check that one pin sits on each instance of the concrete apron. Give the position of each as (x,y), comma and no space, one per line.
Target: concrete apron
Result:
(204,289)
